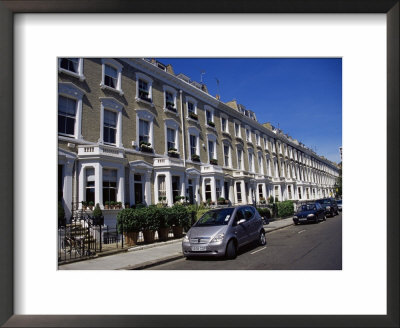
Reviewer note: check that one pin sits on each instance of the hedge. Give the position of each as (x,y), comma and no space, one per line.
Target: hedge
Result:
(153,218)
(285,208)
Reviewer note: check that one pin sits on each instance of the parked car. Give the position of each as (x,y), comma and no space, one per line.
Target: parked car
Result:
(221,232)
(339,205)
(310,212)
(329,205)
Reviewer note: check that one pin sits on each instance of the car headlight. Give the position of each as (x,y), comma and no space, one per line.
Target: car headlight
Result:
(328,207)
(186,239)
(295,217)
(218,238)
(310,215)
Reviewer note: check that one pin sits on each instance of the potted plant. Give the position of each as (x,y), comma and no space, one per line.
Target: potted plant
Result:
(160,216)
(106,205)
(211,123)
(195,158)
(173,152)
(262,200)
(150,223)
(193,115)
(112,205)
(129,224)
(213,161)
(127,205)
(98,218)
(119,205)
(84,205)
(146,147)
(221,201)
(91,204)
(177,219)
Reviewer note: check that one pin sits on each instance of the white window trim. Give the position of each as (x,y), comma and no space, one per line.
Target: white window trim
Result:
(258,138)
(247,128)
(260,167)
(194,102)
(172,124)
(145,115)
(251,152)
(111,104)
(194,132)
(240,167)
(79,75)
(229,154)
(213,138)
(240,129)
(118,67)
(146,78)
(227,123)
(68,89)
(211,110)
(167,88)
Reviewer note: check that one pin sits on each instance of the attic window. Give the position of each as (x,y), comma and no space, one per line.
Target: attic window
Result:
(161,66)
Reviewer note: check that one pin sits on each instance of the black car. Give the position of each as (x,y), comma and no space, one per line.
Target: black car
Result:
(310,212)
(329,205)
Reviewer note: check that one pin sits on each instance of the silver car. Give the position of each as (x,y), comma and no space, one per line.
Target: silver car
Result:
(221,232)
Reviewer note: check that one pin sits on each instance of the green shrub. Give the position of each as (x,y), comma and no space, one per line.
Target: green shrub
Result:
(285,208)
(97,213)
(178,215)
(130,220)
(270,199)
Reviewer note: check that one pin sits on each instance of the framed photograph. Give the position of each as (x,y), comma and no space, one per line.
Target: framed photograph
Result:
(35,35)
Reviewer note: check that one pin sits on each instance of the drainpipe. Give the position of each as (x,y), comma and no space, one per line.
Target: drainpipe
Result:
(183,129)
(183,142)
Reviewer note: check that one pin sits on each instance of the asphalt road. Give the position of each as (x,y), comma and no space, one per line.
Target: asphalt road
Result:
(302,247)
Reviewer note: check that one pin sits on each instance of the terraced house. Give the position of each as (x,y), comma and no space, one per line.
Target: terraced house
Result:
(132,131)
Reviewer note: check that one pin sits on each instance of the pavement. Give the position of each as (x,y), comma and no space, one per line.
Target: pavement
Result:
(141,257)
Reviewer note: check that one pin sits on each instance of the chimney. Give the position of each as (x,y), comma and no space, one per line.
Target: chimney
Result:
(218,97)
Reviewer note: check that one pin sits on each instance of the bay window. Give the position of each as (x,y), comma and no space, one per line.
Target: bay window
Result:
(66,115)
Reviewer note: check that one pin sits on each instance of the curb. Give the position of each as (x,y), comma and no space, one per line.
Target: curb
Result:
(149,264)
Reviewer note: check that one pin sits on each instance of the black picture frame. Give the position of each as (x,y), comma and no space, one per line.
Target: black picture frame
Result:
(10,7)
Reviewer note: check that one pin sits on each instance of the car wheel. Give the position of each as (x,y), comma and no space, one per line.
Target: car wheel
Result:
(230,250)
(261,239)
(324,217)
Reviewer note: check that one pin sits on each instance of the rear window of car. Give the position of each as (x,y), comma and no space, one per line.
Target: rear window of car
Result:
(215,217)
(324,201)
(307,207)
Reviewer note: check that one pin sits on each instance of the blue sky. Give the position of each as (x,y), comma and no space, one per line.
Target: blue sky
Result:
(301,95)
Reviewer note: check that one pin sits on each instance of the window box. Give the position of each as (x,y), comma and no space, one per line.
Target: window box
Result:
(171,107)
(145,147)
(213,161)
(195,158)
(172,152)
(210,123)
(193,116)
(143,95)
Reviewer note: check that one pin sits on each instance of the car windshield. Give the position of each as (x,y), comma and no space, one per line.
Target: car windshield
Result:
(215,217)
(307,207)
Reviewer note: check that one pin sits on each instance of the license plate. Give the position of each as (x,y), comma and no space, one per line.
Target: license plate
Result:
(198,248)
(303,219)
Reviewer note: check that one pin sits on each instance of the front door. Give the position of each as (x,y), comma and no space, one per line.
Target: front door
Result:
(138,193)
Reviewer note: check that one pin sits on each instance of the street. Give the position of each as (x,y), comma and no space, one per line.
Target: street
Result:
(302,247)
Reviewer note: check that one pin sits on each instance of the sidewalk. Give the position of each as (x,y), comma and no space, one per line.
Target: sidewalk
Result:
(141,257)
